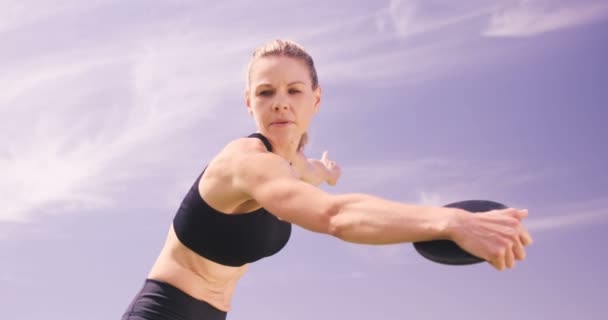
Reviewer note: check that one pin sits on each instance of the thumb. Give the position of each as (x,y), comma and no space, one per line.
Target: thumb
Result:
(523,213)
(519,214)
(324,156)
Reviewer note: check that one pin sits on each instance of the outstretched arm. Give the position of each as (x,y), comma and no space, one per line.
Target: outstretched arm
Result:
(358,218)
(497,236)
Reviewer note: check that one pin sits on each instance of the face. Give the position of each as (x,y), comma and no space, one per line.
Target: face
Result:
(280,97)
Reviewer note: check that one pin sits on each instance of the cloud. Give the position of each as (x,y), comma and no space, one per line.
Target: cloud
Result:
(412,65)
(570,215)
(519,18)
(46,153)
(408,18)
(20,13)
(430,199)
(528,18)
(85,121)
(435,182)
(431,180)
(407,42)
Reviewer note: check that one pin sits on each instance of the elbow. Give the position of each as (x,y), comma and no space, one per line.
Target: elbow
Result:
(339,221)
(333,226)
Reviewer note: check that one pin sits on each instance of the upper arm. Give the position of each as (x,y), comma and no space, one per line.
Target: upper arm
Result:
(273,183)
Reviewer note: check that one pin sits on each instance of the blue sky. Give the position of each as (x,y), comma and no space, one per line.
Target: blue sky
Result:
(110,109)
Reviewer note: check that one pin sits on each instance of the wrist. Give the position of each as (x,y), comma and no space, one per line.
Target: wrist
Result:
(453,222)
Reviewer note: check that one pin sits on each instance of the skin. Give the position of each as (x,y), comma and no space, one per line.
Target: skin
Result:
(244,177)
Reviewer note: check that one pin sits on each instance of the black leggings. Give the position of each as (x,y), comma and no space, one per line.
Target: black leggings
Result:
(159,300)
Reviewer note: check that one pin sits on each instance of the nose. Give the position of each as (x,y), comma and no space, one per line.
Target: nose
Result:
(281,105)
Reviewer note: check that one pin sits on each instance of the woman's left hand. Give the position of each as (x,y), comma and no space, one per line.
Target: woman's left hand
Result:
(332,168)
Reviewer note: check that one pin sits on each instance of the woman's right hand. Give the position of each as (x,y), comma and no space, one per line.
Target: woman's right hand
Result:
(333,170)
(498,236)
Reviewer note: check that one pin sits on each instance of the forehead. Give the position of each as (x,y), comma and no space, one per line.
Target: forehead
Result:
(276,70)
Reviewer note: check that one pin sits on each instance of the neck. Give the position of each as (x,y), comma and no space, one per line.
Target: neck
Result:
(285,146)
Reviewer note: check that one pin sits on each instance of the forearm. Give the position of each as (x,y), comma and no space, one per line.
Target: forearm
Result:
(315,172)
(362,218)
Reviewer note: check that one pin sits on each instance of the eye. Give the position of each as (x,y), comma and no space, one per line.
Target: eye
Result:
(294,91)
(265,93)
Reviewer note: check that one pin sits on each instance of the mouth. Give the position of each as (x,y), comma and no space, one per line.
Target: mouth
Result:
(281,123)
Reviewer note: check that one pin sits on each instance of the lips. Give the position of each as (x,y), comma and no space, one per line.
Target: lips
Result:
(281,122)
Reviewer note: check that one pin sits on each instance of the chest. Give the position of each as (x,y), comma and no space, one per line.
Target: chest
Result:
(229,239)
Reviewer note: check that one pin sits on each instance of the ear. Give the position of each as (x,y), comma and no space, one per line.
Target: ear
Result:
(318,92)
(248,102)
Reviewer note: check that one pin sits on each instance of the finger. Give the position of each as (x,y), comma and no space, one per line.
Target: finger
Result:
(521,214)
(509,258)
(498,261)
(324,156)
(498,264)
(518,214)
(519,251)
(524,236)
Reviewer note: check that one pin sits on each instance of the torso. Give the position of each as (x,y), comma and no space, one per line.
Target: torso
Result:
(197,276)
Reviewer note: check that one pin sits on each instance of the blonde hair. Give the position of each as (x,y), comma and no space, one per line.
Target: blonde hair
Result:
(286,48)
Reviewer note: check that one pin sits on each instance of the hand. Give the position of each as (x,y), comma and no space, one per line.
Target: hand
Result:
(497,236)
(333,170)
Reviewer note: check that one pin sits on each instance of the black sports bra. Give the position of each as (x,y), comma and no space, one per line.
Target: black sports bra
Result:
(229,239)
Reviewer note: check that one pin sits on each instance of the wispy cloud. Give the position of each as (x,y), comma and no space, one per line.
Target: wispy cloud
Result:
(408,18)
(430,180)
(411,65)
(515,18)
(435,182)
(430,199)
(20,13)
(383,56)
(80,124)
(571,215)
(529,18)
(426,30)
(47,154)
(407,41)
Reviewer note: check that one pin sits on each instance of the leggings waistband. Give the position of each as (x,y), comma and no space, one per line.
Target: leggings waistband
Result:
(158,300)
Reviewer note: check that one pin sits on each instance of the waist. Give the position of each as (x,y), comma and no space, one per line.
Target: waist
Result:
(161,300)
(198,277)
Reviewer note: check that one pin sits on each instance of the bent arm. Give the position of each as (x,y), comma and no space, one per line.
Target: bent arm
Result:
(357,218)
(312,170)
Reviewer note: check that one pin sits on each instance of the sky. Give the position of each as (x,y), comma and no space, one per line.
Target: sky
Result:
(110,109)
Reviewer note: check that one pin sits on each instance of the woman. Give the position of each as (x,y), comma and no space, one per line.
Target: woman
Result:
(240,209)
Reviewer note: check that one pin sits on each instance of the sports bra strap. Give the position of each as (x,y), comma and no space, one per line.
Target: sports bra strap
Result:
(264,140)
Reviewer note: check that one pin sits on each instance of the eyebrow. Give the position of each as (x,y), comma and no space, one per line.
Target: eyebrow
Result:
(269,85)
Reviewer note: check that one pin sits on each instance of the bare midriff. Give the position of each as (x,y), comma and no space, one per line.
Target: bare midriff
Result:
(197,276)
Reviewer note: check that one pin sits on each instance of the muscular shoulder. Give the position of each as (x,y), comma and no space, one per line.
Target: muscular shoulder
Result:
(217,185)
(253,166)
(241,164)
(235,151)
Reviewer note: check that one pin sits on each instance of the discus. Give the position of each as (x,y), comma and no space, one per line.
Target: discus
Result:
(447,251)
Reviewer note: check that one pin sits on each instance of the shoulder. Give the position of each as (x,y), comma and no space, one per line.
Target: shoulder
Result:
(241,162)
(251,165)
(237,151)
(248,160)
(245,145)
